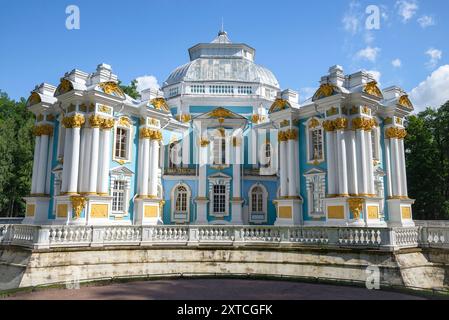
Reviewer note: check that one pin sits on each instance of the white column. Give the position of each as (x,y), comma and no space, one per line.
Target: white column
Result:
(388,167)
(86,160)
(82,176)
(236,174)
(342,165)
(332,168)
(291,164)
(369,163)
(67,160)
(362,153)
(43,160)
(202,172)
(74,163)
(396,171)
(352,158)
(283,168)
(403,170)
(93,171)
(103,180)
(49,165)
(145,167)
(154,162)
(37,150)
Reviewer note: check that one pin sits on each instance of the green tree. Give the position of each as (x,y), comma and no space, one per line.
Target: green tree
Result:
(16,155)
(131,89)
(427,158)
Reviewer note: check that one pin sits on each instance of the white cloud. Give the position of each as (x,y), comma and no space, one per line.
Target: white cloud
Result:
(146,82)
(426,21)
(351,19)
(376,75)
(306,93)
(407,9)
(435,55)
(368,53)
(432,92)
(397,63)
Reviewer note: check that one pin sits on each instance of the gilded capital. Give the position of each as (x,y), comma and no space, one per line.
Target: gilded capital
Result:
(291,134)
(204,142)
(147,133)
(282,136)
(43,130)
(340,123)
(96,121)
(395,133)
(107,124)
(328,126)
(75,121)
(363,124)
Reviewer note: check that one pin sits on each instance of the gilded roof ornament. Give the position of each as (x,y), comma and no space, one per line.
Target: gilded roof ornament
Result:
(160,104)
(112,88)
(279,105)
(405,102)
(371,88)
(64,87)
(34,98)
(325,90)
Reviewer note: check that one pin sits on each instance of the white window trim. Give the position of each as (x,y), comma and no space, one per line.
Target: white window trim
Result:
(311,177)
(128,142)
(127,180)
(264,204)
(219,180)
(310,158)
(173,203)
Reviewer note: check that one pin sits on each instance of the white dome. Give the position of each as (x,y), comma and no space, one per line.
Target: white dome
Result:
(223,69)
(222,60)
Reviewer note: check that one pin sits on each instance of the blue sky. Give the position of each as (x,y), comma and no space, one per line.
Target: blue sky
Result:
(297,40)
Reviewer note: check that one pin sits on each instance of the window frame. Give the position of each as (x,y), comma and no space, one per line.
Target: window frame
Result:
(310,130)
(128,146)
(175,215)
(264,194)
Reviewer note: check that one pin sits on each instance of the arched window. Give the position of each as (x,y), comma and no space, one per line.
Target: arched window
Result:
(258,197)
(181,200)
(315,141)
(174,160)
(181,203)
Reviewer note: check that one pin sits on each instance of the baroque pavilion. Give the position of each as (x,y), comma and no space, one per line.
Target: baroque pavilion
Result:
(219,143)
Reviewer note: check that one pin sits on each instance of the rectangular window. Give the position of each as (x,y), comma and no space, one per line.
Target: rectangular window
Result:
(374,144)
(121,143)
(219,199)
(118,196)
(316,145)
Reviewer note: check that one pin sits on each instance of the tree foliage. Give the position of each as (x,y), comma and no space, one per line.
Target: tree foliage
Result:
(16,155)
(131,89)
(427,157)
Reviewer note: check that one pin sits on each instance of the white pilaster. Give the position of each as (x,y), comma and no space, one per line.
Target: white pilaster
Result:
(87,153)
(362,168)
(43,161)
(396,171)
(342,165)
(291,164)
(145,167)
(352,151)
(404,189)
(74,163)
(331,163)
(93,170)
(37,150)
(154,162)
(49,165)
(103,180)
(67,160)
(283,168)
(388,167)
(369,163)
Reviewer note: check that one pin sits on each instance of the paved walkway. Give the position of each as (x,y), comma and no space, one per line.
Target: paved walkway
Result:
(213,289)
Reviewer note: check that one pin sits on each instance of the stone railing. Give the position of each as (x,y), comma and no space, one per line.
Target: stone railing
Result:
(434,234)
(389,239)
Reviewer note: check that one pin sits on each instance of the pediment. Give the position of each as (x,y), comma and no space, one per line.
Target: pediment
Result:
(314,171)
(121,171)
(219,175)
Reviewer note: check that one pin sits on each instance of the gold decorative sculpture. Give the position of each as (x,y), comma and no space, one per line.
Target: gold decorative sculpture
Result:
(324,91)
(78,205)
(371,88)
(160,104)
(356,206)
(279,105)
(113,88)
(405,102)
(34,98)
(64,87)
